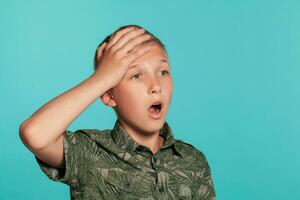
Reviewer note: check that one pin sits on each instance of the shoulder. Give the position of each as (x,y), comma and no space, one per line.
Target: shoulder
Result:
(85,135)
(188,149)
(95,132)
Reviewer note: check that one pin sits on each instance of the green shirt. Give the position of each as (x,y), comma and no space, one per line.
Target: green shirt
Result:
(109,164)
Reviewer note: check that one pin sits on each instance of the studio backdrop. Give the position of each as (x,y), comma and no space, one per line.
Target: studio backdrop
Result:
(236,73)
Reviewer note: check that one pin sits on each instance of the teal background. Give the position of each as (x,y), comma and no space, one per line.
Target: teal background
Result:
(236,75)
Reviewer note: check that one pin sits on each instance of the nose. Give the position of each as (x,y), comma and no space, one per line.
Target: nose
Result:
(155,86)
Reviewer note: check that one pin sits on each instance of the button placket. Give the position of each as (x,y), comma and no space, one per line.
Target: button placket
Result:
(155,160)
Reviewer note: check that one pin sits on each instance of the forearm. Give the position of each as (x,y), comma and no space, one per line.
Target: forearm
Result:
(50,121)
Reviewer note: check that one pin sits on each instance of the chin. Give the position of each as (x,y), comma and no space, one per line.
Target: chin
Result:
(145,124)
(154,125)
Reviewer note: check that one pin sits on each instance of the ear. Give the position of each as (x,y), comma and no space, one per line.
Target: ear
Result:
(108,98)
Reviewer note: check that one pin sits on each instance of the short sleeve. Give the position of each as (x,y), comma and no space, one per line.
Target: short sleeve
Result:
(205,188)
(72,152)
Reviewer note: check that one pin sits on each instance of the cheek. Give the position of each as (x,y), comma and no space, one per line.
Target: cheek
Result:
(168,87)
(129,96)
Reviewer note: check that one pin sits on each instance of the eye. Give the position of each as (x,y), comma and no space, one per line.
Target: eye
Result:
(165,72)
(135,76)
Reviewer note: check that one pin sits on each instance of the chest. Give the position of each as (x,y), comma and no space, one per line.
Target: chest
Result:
(140,177)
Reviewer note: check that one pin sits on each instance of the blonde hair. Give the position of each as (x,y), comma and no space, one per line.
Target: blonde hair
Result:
(107,38)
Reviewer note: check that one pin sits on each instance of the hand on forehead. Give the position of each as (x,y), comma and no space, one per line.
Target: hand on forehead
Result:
(126,35)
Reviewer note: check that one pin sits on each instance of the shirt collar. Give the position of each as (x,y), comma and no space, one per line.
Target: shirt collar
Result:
(126,142)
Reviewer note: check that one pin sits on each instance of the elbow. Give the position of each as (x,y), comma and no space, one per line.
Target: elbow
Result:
(29,138)
(24,135)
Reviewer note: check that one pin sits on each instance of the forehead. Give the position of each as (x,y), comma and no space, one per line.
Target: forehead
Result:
(155,56)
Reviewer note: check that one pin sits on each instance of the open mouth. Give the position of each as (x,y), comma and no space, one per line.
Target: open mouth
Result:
(155,108)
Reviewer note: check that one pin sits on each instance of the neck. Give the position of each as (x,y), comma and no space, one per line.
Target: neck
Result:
(153,141)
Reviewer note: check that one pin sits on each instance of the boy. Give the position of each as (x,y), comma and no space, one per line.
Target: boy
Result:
(139,158)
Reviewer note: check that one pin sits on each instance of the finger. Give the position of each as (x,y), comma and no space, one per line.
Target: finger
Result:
(134,55)
(127,37)
(101,50)
(116,36)
(134,42)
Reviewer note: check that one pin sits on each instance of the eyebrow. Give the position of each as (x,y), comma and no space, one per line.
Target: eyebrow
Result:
(159,62)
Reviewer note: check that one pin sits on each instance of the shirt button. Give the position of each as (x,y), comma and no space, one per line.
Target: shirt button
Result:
(126,184)
(161,189)
(155,160)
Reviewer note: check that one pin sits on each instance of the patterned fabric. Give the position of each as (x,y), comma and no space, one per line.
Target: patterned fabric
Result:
(109,164)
